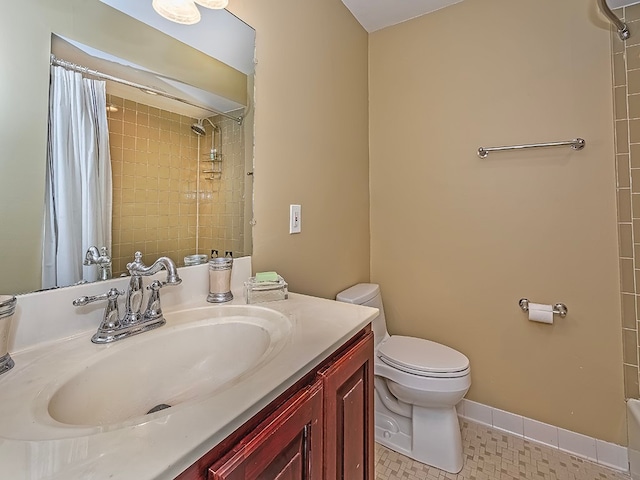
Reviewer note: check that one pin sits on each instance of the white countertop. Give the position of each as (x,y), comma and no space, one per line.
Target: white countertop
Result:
(168,443)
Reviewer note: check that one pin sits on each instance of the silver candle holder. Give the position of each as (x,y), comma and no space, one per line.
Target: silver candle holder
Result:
(220,280)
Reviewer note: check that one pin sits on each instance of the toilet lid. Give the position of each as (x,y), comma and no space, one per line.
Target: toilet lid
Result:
(423,357)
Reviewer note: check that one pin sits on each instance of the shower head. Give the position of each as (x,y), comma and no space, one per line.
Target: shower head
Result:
(198,128)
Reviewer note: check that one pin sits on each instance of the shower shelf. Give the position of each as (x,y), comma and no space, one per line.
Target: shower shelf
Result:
(215,166)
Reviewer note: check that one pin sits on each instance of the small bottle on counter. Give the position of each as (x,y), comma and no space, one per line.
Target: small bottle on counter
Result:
(220,280)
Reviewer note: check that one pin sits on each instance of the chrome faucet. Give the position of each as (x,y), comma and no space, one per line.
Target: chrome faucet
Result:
(101,259)
(113,327)
(133,303)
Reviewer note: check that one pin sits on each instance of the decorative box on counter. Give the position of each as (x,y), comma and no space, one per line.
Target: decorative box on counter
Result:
(265,291)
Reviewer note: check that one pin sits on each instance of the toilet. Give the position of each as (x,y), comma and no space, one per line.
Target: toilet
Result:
(417,385)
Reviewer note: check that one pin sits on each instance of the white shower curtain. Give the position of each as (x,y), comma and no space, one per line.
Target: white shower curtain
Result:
(78,189)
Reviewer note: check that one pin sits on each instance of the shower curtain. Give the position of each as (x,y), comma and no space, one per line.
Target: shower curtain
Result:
(78,200)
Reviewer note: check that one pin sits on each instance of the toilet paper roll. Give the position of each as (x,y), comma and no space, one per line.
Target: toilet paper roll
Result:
(539,312)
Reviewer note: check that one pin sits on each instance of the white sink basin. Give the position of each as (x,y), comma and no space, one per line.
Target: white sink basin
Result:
(198,353)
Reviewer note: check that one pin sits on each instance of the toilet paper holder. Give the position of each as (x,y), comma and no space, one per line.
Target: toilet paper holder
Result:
(558,309)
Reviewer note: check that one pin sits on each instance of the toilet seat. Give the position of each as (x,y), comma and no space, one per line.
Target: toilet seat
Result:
(423,357)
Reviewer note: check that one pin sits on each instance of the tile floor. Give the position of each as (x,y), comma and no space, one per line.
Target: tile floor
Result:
(494,455)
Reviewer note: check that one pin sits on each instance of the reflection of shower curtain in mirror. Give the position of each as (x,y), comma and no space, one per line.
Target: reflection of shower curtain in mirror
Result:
(78,190)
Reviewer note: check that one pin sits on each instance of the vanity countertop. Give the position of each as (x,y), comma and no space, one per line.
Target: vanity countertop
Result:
(167,444)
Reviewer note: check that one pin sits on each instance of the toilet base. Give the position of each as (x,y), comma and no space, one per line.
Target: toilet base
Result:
(437,439)
(431,436)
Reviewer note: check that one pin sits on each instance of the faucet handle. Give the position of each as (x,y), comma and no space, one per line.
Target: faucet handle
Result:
(91,256)
(112,294)
(156,285)
(96,257)
(135,266)
(154,310)
(110,318)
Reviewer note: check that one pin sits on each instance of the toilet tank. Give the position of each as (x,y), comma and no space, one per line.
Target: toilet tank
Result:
(368,294)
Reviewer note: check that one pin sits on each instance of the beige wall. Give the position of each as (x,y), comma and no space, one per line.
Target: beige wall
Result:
(310,143)
(457,241)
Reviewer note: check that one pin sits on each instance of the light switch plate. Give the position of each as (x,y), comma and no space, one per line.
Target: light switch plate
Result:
(294,219)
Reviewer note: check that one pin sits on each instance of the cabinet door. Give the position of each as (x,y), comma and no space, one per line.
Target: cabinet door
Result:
(287,446)
(348,414)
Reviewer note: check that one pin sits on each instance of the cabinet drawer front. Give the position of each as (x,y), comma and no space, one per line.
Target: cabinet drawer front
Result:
(348,410)
(286,446)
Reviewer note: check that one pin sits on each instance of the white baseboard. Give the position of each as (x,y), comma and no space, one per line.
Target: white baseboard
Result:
(598,451)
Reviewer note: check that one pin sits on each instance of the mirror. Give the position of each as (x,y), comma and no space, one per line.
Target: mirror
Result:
(175,192)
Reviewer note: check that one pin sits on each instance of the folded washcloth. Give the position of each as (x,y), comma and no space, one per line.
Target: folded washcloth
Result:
(266,277)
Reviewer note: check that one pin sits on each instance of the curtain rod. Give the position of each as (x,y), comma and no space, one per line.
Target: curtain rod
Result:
(154,91)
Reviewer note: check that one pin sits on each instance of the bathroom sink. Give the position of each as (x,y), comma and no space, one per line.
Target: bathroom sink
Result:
(198,353)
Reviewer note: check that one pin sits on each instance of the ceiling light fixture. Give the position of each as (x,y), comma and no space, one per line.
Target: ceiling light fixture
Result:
(215,4)
(179,11)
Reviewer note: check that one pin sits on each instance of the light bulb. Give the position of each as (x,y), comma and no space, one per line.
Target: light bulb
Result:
(179,11)
(217,4)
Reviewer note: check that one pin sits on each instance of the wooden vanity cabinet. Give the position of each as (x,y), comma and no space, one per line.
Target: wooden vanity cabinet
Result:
(349,415)
(319,429)
(288,445)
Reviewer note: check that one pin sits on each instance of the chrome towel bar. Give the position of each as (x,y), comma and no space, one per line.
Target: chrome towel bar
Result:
(558,309)
(575,144)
